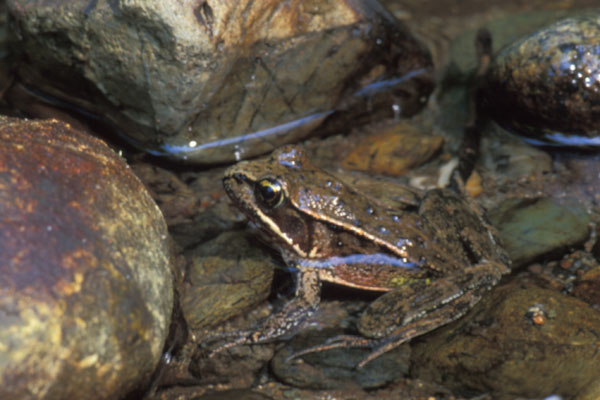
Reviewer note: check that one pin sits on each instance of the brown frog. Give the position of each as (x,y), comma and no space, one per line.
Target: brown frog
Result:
(434,258)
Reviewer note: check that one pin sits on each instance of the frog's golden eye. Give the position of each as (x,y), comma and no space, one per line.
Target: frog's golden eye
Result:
(269,192)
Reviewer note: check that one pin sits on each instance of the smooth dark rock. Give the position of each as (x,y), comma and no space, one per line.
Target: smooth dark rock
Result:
(499,348)
(227,276)
(85,279)
(238,394)
(546,86)
(533,229)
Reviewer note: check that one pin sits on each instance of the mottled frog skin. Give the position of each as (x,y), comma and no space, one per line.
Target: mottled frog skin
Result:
(433,259)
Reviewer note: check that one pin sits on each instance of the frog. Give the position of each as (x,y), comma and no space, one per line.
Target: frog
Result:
(432,257)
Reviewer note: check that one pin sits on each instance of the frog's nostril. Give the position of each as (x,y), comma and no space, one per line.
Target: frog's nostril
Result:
(239,178)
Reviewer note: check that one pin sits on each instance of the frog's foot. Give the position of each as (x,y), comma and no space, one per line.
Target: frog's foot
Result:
(272,329)
(379,346)
(343,341)
(229,339)
(383,346)
(280,325)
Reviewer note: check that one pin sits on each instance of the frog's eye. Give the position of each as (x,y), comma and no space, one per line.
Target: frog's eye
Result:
(269,192)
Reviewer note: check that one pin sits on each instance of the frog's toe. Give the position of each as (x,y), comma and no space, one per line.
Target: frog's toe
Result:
(335,342)
(228,345)
(227,339)
(381,347)
(212,337)
(349,341)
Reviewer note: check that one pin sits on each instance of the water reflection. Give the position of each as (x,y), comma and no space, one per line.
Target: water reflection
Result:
(359,259)
(245,139)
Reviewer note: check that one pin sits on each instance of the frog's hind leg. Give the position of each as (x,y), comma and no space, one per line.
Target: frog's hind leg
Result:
(415,310)
(422,320)
(434,319)
(335,343)
(420,309)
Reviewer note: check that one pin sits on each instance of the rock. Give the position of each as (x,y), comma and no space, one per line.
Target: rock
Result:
(236,367)
(473,185)
(401,389)
(393,150)
(196,393)
(238,394)
(176,200)
(510,157)
(227,276)
(596,248)
(590,393)
(587,287)
(519,341)
(531,229)
(545,87)
(86,293)
(208,81)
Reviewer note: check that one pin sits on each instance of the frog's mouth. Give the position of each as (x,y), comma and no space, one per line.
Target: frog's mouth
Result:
(239,189)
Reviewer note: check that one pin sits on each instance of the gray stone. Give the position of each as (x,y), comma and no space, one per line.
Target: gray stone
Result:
(531,229)
(209,81)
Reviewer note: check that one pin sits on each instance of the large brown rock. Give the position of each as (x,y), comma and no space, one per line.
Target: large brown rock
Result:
(85,283)
(521,341)
(218,80)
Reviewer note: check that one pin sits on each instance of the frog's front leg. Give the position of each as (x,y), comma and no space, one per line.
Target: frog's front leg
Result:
(285,321)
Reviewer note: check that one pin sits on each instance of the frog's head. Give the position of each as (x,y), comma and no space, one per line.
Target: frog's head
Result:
(301,208)
(261,190)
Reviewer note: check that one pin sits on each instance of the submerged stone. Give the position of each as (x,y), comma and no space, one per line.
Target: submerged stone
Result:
(521,341)
(531,229)
(546,86)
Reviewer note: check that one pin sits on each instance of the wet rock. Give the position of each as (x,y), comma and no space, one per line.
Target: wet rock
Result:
(236,367)
(206,224)
(539,228)
(590,393)
(239,394)
(393,150)
(545,86)
(596,248)
(519,341)
(510,157)
(196,206)
(217,81)
(587,287)
(401,389)
(176,200)
(86,292)
(473,185)
(198,393)
(226,276)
